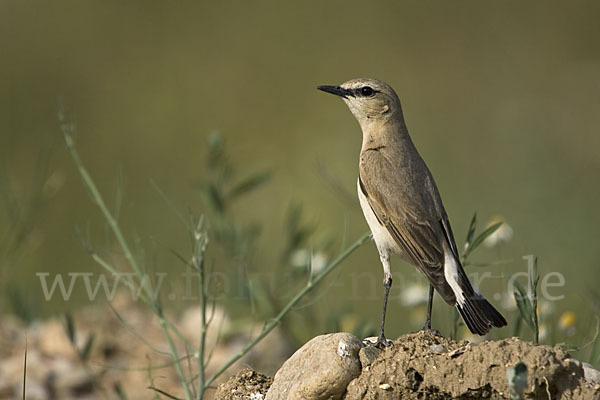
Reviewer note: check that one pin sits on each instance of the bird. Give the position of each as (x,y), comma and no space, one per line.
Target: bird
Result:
(403,207)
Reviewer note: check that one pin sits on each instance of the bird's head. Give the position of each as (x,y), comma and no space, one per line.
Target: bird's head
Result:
(370,100)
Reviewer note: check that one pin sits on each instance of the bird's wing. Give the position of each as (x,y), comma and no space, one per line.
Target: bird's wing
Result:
(414,235)
(405,201)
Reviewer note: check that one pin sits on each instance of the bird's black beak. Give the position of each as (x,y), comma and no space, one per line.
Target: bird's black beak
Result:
(338,91)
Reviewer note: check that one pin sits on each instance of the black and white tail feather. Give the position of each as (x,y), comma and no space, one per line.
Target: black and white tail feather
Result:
(477,313)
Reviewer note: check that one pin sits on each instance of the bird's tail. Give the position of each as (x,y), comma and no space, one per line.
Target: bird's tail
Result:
(479,315)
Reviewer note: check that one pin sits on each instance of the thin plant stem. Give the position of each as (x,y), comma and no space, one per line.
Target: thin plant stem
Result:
(199,247)
(535,279)
(104,264)
(25,369)
(67,130)
(273,323)
(201,377)
(166,326)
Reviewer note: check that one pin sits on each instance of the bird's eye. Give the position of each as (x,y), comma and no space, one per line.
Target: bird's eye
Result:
(367,91)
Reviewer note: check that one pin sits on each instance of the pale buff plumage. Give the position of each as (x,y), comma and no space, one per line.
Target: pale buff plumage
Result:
(402,205)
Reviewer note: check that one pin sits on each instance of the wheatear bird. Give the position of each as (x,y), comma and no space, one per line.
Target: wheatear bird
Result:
(403,208)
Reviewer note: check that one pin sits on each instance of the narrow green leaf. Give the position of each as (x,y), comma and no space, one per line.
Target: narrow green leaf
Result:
(250,183)
(213,198)
(70,327)
(524,305)
(216,150)
(521,290)
(534,278)
(25,369)
(170,396)
(567,346)
(482,236)
(524,295)
(85,352)
(471,231)
(118,389)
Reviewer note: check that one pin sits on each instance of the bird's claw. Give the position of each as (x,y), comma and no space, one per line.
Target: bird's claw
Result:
(428,329)
(380,342)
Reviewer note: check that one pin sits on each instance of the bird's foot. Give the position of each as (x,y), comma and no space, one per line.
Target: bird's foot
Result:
(380,342)
(427,328)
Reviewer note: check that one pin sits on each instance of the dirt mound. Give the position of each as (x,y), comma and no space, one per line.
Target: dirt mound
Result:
(246,384)
(423,365)
(426,366)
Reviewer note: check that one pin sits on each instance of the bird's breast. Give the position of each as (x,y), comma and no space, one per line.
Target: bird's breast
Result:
(383,240)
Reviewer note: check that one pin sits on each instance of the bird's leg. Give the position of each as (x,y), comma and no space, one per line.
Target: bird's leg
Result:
(387,284)
(381,340)
(427,326)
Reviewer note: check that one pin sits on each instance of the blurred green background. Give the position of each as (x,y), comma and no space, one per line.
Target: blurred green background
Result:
(501,98)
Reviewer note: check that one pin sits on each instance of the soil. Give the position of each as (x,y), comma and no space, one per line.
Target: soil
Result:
(121,353)
(246,384)
(417,366)
(426,366)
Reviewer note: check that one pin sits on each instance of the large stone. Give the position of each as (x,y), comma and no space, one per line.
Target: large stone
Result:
(591,374)
(321,369)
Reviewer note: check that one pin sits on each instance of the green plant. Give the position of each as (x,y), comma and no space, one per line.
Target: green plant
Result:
(527,300)
(193,387)
(594,356)
(223,191)
(83,352)
(472,242)
(19,216)
(25,371)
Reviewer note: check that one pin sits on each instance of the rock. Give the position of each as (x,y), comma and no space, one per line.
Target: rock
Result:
(52,339)
(276,344)
(590,374)
(73,381)
(368,354)
(321,369)
(437,348)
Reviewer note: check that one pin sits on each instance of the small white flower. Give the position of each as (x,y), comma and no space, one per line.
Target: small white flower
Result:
(502,235)
(318,262)
(303,258)
(508,303)
(414,294)
(544,332)
(545,308)
(300,258)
